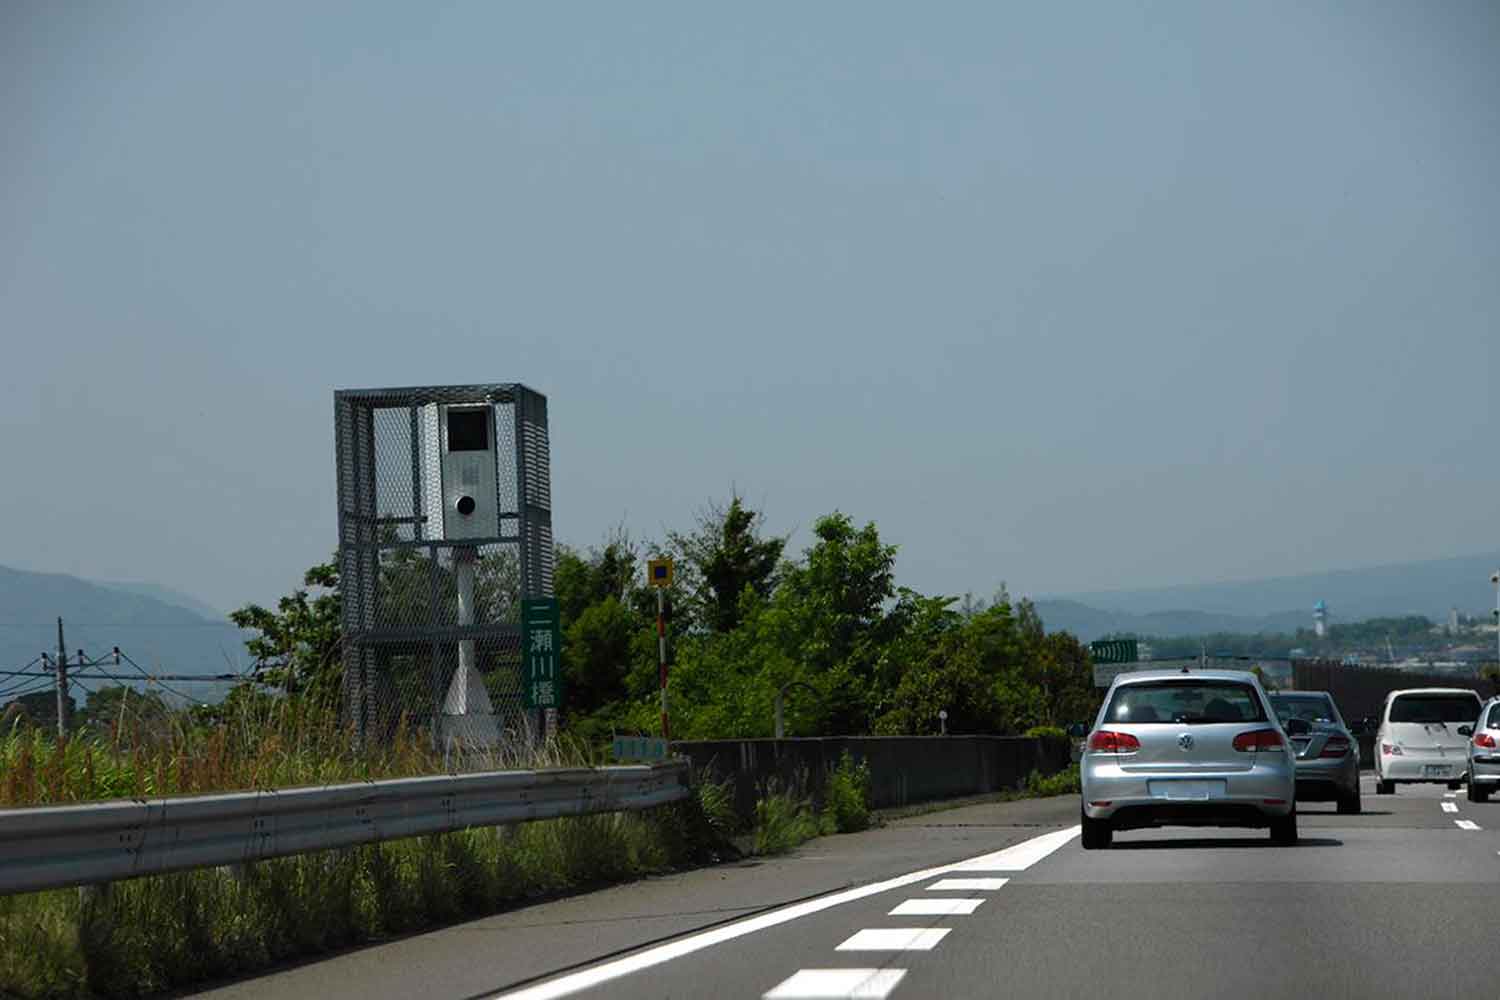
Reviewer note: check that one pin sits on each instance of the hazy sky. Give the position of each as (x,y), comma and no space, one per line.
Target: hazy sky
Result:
(1073,296)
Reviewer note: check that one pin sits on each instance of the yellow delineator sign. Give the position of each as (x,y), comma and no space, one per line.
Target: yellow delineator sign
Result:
(659,573)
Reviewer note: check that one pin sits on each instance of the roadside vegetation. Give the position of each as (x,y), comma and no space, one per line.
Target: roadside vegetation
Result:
(867,656)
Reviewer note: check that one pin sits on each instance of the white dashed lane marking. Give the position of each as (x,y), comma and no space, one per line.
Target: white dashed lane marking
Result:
(936,908)
(895,939)
(1466,824)
(1449,807)
(827,984)
(967,884)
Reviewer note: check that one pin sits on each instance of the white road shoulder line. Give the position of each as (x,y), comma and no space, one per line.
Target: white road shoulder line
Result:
(1450,795)
(936,907)
(1020,857)
(1449,807)
(829,984)
(1030,851)
(967,884)
(895,939)
(1466,824)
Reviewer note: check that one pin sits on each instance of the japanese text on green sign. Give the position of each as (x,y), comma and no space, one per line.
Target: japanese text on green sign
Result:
(541,646)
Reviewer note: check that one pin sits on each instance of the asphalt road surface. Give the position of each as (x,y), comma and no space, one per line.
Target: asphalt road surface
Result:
(1000,900)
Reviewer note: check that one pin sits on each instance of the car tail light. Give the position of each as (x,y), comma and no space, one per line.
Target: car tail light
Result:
(1336,746)
(1258,739)
(1484,740)
(1390,750)
(1107,741)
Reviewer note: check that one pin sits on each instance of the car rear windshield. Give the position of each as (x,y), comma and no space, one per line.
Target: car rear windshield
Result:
(1309,707)
(1435,708)
(1495,717)
(1185,702)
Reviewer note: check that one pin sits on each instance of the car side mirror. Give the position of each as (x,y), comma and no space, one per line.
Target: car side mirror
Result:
(1357,728)
(1466,730)
(1298,727)
(1077,731)
(1368,724)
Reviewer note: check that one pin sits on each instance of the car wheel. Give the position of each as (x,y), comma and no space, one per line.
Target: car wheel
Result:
(1384,787)
(1477,792)
(1097,834)
(1284,830)
(1454,786)
(1349,805)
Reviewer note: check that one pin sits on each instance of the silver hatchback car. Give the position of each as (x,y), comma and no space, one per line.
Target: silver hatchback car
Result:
(1178,748)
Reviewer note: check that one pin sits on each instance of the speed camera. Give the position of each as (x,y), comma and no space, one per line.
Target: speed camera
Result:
(470,504)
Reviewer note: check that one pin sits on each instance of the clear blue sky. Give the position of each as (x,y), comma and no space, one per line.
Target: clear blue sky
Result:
(1078,297)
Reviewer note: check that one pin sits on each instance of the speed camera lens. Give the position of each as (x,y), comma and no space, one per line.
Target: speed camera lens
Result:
(465,505)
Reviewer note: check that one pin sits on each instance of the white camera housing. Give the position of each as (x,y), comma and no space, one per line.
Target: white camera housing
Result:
(470,504)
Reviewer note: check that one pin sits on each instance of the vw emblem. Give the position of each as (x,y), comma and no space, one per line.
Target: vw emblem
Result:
(1185,741)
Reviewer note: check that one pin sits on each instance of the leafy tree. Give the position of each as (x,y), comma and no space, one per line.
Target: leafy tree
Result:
(298,647)
(723,557)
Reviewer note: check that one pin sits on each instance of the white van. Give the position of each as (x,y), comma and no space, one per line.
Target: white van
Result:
(1418,739)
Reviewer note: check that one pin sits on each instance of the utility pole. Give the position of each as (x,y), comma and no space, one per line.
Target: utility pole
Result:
(62,682)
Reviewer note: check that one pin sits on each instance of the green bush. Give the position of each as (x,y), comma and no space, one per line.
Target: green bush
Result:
(846,799)
(1047,733)
(1065,782)
(782,821)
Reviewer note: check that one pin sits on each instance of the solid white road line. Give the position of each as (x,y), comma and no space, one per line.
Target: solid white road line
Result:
(598,974)
(1020,857)
(828,984)
(1449,807)
(936,908)
(895,939)
(1466,824)
(967,884)
(1450,795)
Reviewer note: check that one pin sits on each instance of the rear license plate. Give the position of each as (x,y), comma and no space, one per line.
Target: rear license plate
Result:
(1437,770)
(1186,791)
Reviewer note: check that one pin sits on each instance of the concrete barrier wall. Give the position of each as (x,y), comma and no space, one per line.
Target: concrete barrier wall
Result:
(903,769)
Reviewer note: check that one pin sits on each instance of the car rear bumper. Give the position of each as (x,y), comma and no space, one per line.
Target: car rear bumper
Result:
(1324,778)
(1413,770)
(1132,799)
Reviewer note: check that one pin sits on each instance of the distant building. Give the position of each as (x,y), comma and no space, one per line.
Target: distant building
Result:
(1453,621)
(1320,619)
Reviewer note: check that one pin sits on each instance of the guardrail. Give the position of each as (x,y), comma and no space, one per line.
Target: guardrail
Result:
(53,847)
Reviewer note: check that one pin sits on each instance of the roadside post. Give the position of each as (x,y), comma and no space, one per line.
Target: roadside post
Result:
(659,575)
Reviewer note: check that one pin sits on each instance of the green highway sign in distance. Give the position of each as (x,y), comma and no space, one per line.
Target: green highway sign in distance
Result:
(541,653)
(1114,651)
(640,748)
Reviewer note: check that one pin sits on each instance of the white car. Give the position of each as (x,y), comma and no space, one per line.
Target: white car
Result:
(1484,753)
(1418,740)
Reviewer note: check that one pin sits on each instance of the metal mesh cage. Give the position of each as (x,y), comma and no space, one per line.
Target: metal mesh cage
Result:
(445,526)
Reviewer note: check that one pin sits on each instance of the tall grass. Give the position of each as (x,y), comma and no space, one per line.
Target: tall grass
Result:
(146,935)
(153,934)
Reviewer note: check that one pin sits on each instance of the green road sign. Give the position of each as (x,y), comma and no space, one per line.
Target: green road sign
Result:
(640,748)
(1114,651)
(541,653)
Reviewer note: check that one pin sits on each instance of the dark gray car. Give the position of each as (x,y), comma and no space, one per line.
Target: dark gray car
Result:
(1327,752)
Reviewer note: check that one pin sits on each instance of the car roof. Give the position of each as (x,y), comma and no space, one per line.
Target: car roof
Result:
(1303,694)
(1138,676)
(1435,691)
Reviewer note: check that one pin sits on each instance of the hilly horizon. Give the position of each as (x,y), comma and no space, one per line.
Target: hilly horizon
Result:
(159,635)
(1427,587)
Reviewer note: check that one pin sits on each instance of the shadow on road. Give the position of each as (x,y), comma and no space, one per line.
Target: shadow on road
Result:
(1200,842)
(1334,812)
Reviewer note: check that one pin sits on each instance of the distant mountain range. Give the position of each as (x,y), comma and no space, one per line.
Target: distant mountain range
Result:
(162,631)
(1280,604)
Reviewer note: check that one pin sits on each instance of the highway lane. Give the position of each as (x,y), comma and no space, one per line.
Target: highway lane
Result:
(1387,903)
